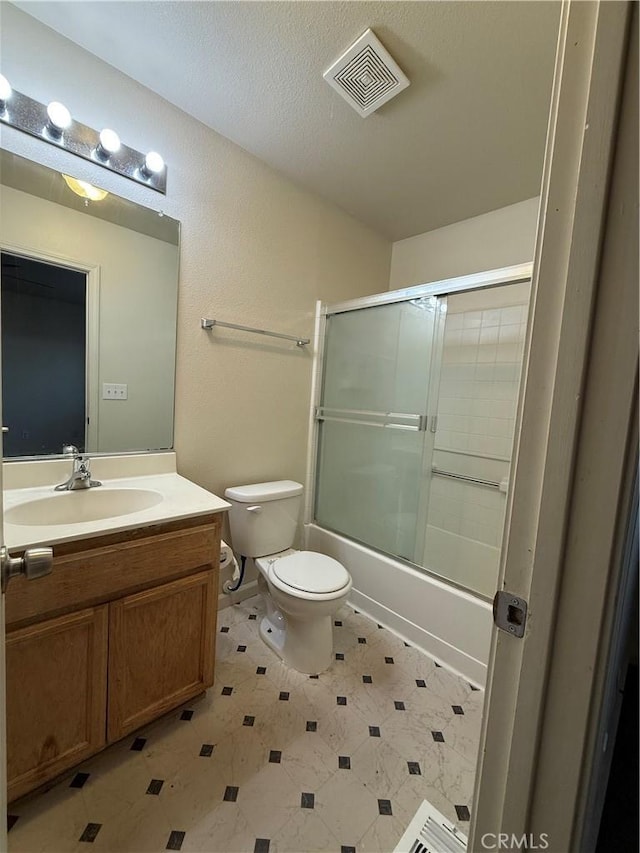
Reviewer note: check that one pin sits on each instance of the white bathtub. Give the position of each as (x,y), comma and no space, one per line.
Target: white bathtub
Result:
(448,624)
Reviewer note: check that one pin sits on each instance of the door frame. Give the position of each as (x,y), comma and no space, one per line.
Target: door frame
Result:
(92,314)
(560,545)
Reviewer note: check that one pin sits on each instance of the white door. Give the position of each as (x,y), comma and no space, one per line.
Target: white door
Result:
(572,451)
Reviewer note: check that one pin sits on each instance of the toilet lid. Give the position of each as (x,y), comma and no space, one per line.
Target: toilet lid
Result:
(311,572)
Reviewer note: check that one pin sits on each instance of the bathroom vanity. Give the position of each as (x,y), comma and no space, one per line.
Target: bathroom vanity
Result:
(123,628)
(121,631)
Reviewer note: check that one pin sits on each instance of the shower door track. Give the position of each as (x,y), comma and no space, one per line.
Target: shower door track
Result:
(444,287)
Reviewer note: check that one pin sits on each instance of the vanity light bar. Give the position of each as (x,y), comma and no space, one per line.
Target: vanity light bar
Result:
(54,124)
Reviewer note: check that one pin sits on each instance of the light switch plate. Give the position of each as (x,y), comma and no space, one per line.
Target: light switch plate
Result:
(113,391)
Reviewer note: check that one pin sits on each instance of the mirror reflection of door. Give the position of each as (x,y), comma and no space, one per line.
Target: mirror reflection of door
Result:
(44,331)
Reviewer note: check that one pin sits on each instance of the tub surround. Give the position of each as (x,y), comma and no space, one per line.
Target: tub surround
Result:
(31,481)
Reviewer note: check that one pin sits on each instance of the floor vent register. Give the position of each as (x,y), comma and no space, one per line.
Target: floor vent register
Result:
(431,832)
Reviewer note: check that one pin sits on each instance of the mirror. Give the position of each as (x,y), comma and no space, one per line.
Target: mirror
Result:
(89,304)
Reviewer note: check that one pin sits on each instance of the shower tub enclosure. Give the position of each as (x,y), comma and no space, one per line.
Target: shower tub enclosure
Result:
(413,426)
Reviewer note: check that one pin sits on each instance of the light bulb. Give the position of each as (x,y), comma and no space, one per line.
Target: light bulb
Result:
(59,118)
(153,163)
(109,143)
(84,189)
(5,89)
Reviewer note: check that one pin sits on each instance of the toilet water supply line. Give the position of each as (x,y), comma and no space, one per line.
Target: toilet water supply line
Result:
(228,586)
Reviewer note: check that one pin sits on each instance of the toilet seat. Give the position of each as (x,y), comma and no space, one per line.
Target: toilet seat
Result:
(307,574)
(309,571)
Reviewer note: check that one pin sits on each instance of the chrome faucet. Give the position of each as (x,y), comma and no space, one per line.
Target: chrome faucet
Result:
(80,475)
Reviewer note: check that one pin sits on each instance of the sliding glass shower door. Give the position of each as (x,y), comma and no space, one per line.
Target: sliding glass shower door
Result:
(416,427)
(376,422)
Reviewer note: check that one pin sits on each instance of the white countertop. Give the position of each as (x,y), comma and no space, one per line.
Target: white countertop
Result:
(180,498)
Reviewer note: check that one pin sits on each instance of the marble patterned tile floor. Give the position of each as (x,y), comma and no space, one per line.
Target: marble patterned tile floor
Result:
(272,761)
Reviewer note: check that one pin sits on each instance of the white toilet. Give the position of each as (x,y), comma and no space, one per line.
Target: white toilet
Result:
(302,589)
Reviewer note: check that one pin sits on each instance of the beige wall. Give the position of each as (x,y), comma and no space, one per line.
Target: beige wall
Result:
(134,271)
(256,250)
(493,240)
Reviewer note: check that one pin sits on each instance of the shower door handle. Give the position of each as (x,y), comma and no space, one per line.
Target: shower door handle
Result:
(385,420)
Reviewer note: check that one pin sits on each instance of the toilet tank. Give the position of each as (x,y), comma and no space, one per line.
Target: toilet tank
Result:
(264,516)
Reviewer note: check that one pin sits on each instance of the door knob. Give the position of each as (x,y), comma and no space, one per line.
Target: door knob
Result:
(35,563)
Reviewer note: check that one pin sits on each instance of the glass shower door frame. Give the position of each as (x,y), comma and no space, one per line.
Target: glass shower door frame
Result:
(440,288)
(374,417)
(430,434)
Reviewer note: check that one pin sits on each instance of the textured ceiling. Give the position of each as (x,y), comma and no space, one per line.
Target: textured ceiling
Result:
(466,137)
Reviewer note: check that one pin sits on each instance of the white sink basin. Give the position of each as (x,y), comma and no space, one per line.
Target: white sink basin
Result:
(81,506)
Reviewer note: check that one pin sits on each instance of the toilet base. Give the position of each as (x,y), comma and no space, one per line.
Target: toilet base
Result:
(308,645)
(300,636)
(273,635)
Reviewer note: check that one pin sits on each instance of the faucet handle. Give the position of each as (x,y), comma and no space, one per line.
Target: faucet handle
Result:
(70,450)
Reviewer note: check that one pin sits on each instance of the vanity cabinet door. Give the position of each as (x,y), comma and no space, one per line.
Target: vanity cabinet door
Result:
(56,696)
(161,650)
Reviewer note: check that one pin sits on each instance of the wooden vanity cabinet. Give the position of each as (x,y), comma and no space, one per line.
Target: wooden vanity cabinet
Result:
(56,696)
(122,631)
(160,650)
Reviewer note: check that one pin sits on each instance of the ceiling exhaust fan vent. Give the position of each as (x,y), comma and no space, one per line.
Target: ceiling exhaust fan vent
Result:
(366,75)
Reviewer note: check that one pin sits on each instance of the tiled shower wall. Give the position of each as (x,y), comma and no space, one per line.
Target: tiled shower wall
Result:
(480,377)
(479,383)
